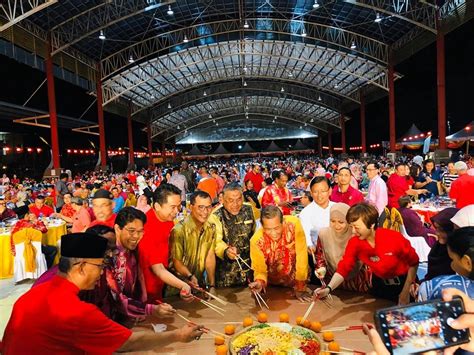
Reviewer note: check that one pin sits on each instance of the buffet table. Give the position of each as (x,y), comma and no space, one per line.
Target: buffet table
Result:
(347,309)
(430,208)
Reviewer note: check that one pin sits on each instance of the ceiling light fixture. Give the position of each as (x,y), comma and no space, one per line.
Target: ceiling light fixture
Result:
(131,60)
(210,116)
(282,89)
(303,32)
(378,18)
(102,35)
(204,93)
(319,98)
(245,83)
(170,10)
(169,105)
(185,40)
(353,45)
(246,24)
(316,4)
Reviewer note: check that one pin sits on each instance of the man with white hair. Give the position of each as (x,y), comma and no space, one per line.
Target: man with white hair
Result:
(462,189)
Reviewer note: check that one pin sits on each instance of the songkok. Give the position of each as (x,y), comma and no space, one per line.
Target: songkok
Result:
(102,193)
(460,166)
(83,245)
(464,217)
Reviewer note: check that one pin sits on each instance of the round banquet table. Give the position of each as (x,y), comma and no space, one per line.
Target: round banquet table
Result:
(52,237)
(348,308)
(6,257)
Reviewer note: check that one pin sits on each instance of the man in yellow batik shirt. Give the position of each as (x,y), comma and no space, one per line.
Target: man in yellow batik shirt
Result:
(279,254)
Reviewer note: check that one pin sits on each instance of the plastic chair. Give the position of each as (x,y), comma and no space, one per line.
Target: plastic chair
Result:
(30,262)
(418,243)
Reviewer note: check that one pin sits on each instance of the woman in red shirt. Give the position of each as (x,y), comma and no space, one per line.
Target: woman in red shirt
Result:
(390,257)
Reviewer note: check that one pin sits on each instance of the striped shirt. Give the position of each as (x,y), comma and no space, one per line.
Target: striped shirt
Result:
(448,179)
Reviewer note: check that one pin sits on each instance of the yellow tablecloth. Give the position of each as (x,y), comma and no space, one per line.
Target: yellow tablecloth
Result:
(6,257)
(52,237)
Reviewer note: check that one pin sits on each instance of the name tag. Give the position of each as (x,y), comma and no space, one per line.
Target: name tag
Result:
(248,221)
(374,259)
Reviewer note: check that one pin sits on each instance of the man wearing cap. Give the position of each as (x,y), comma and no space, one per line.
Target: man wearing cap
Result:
(462,189)
(81,219)
(51,319)
(103,207)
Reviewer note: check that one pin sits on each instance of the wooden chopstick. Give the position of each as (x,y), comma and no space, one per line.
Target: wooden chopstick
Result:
(263,301)
(258,299)
(212,305)
(207,330)
(352,350)
(243,261)
(220,300)
(338,329)
(308,311)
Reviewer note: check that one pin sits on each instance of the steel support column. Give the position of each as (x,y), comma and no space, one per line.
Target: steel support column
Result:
(343,133)
(150,146)
(131,153)
(53,117)
(391,107)
(363,138)
(320,146)
(100,119)
(441,71)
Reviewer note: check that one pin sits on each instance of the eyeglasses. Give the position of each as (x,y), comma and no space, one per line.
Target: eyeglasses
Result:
(100,266)
(134,231)
(371,169)
(320,192)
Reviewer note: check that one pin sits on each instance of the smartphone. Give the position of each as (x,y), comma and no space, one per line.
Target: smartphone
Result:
(421,327)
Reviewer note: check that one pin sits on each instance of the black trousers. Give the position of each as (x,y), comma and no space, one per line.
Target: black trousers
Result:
(49,252)
(382,288)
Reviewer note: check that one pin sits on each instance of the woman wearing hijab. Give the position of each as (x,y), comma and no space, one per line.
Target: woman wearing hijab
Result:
(330,247)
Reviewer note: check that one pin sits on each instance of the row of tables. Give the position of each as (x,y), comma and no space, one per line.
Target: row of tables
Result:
(56,229)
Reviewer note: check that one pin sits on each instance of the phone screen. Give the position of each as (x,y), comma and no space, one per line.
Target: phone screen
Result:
(421,327)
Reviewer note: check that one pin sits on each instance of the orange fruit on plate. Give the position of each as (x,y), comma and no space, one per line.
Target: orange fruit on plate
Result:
(307,323)
(324,353)
(262,317)
(334,346)
(247,322)
(298,320)
(221,350)
(328,336)
(316,327)
(284,318)
(218,340)
(229,329)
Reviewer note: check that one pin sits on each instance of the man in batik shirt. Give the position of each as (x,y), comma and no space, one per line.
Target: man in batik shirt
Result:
(235,224)
(192,244)
(278,194)
(279,254)
(121,292)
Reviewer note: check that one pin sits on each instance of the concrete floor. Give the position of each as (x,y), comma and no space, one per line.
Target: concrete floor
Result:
(9,293)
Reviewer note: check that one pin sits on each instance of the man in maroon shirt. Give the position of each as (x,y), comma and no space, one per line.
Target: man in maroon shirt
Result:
(344,192)
(256,177)
(64,324)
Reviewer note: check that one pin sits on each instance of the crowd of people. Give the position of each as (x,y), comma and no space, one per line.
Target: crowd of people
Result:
(301,222)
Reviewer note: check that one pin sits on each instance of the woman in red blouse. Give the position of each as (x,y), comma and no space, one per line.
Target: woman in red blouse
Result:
(390,257)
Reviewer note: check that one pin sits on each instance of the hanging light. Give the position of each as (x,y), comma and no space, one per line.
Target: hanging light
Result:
(131,60)
(217,124)
(378,18)
(246,24)
(210,116)
(245,83)
(303,32)
(353,45)
(336,85)
(316,4)
(170,11)
(319,98)
(204,93)
(311,120)
(290,74)
(102,35)
(169,105)
(282,89)
(185,40)
(275,118)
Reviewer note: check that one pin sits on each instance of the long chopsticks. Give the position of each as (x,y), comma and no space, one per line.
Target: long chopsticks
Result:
(205,329)
(308,311)
(211,306)
(220,300)
(341,329)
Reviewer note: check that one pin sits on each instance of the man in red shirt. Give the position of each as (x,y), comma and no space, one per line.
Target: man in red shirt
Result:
(398,185)
(103,207)
(64,324)
(344,192)
(462,189)
(153,250)
(256,177)
(39,209)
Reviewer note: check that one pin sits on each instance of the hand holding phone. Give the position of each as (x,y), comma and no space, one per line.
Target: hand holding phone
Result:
(421,327)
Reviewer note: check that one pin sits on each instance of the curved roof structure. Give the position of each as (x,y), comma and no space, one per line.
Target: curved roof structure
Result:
(181,61)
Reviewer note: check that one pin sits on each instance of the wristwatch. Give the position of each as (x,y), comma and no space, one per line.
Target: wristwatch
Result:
(190,276)
(330,288)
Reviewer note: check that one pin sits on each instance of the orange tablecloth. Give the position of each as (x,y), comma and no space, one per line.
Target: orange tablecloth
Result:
(52,237)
